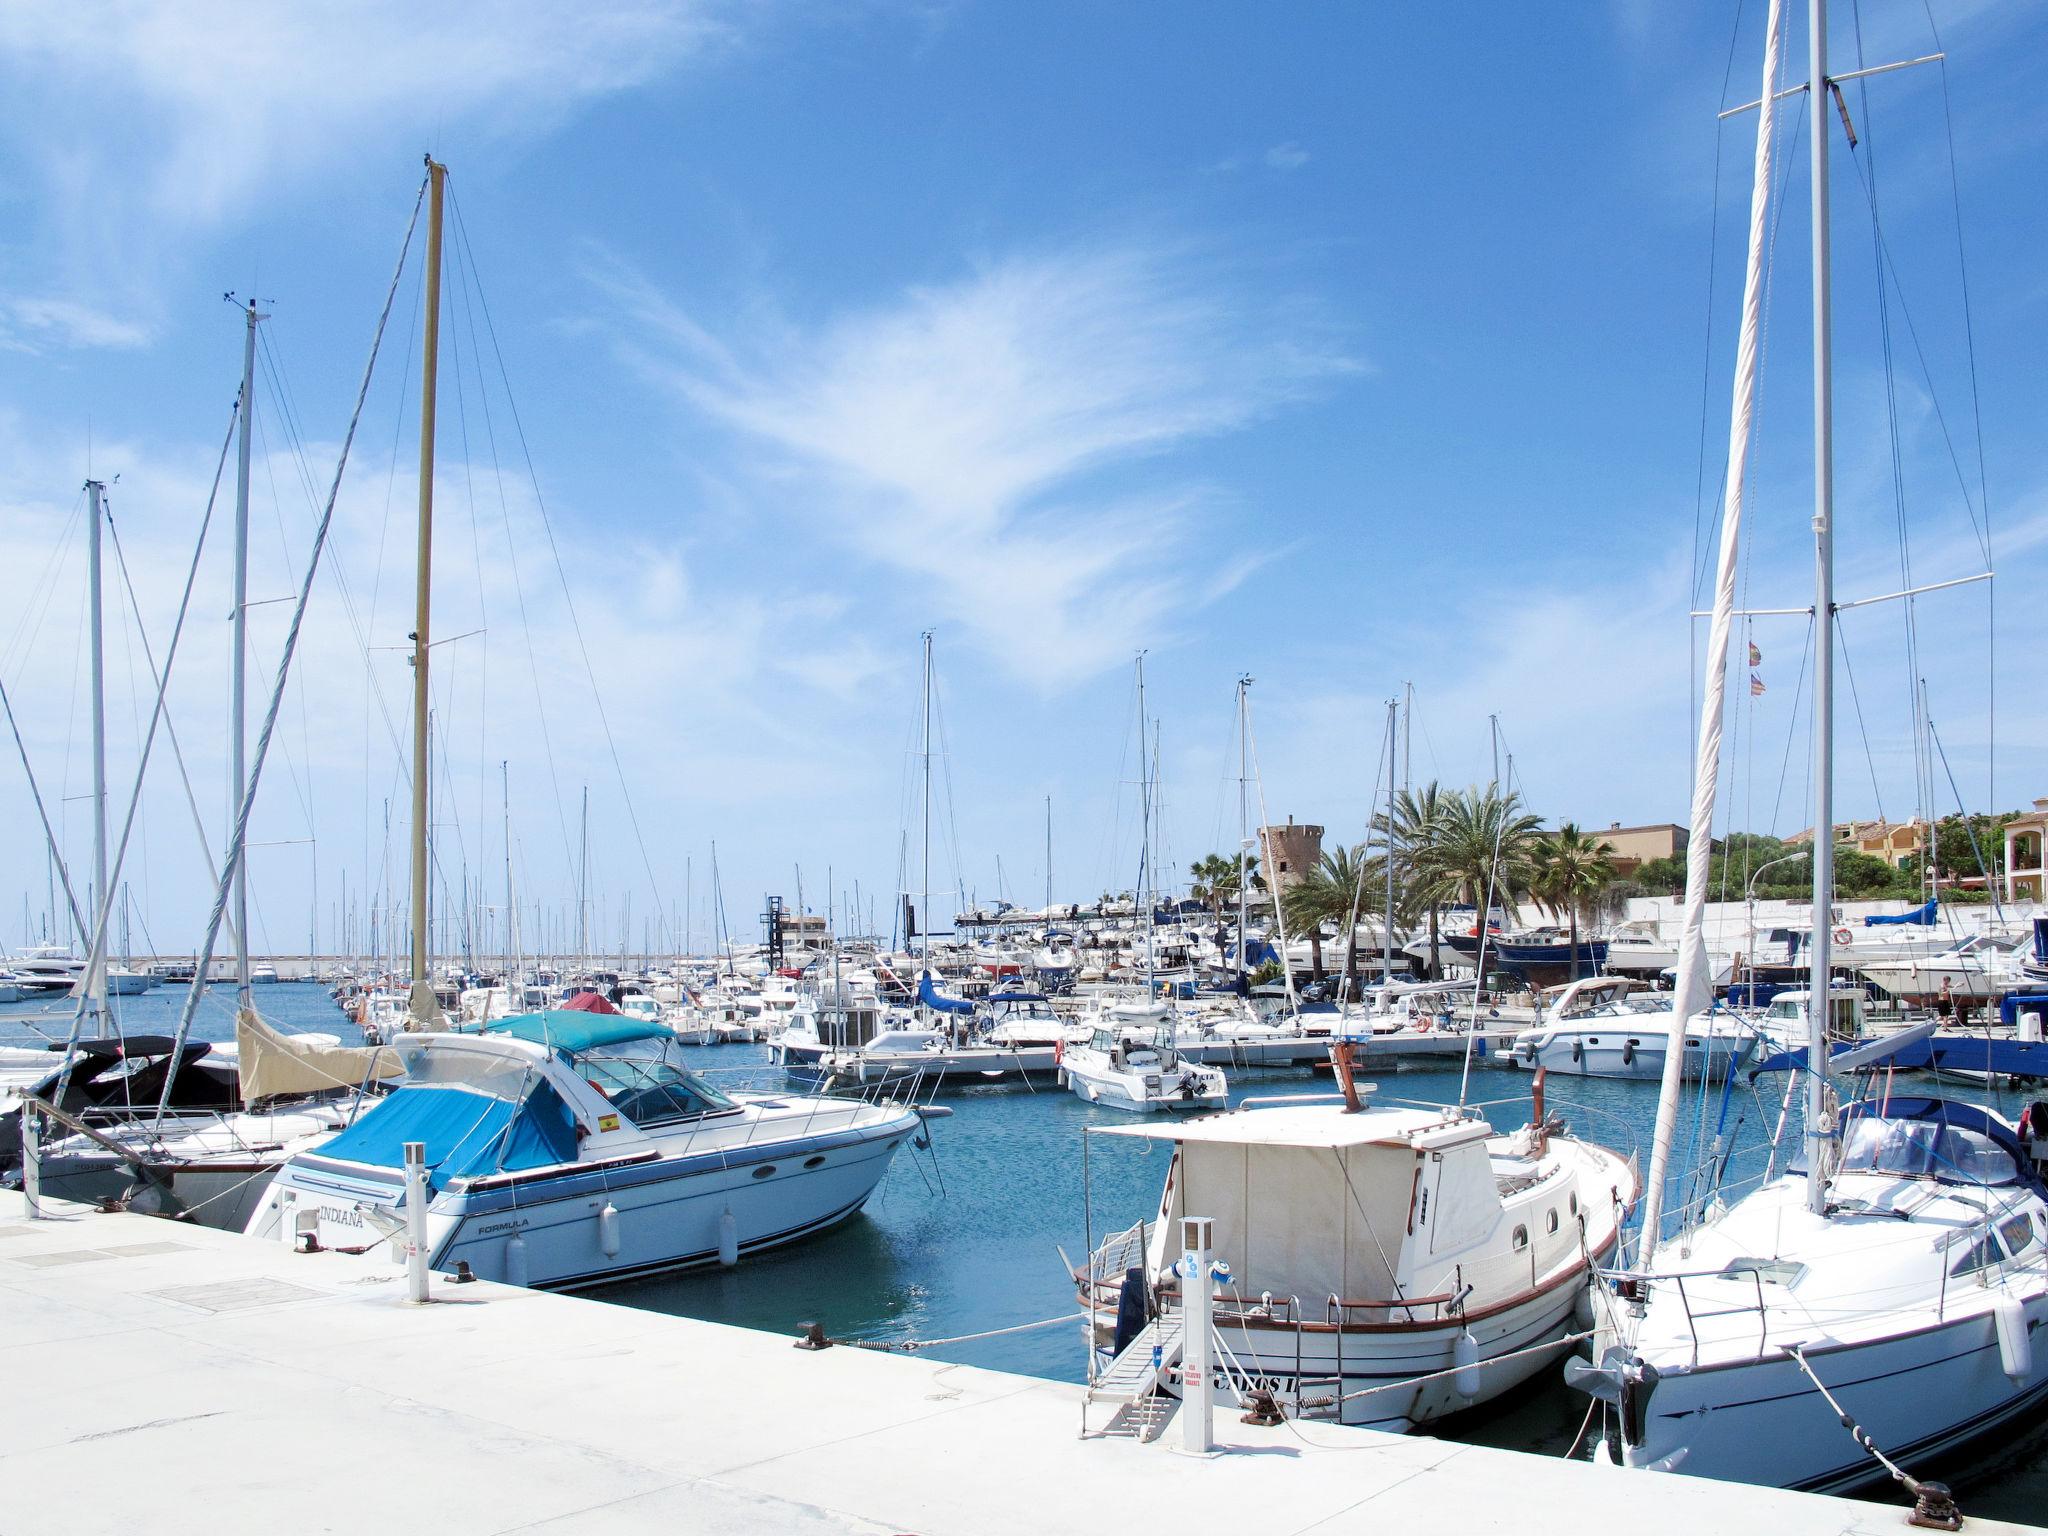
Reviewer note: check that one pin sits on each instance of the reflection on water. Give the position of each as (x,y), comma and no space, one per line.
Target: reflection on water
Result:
(968,1237)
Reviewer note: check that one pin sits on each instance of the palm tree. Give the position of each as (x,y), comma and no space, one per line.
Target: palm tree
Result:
(1416,815)
(1307,904)
(1344,871)
(1215,880)
(1478,850)
(1571,870)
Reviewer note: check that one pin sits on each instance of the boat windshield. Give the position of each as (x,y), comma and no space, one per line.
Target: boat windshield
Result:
(1925,1149)
(647,1084)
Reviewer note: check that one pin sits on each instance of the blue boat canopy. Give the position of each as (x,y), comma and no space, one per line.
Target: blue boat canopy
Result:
(933,999)
(466,1133)
(564,1029)
(1923,916)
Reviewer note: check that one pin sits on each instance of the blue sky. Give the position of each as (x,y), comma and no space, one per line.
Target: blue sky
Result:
(1344,346)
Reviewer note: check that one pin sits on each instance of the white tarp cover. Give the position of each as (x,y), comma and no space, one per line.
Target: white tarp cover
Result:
(276,1065)
(1290,1221)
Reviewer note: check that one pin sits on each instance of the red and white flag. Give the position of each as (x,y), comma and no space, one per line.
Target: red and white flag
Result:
(1756,685)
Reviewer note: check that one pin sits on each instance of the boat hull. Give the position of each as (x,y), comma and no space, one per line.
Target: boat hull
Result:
(1919,1395)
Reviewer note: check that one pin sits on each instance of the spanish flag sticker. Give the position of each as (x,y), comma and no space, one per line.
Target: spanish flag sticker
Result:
(607,1122)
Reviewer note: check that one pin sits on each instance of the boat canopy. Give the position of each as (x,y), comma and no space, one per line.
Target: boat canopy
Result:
(931,997)
(1923,916)
(1943,1155)
(560,1029)
(467,1132)
(274,1064)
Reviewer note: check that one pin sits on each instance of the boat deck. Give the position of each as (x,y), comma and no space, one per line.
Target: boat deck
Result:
(178,1379)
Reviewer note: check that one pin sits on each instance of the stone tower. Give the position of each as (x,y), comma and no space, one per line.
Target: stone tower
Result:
(1288,853)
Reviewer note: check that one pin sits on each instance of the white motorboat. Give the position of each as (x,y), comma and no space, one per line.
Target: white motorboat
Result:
(1140,1078)
(572,1149)
(1387,1266)
(46,968)
(1603,1026)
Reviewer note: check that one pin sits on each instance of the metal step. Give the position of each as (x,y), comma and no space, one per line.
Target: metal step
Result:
(1142,1420)
(1134,1374)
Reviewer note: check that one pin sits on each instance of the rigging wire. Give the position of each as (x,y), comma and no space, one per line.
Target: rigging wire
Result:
(561,571)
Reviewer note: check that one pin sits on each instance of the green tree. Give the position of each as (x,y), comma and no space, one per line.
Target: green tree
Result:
(1324,894)
(1407,838)
(1215,880)
(1479,850)
(1570,872)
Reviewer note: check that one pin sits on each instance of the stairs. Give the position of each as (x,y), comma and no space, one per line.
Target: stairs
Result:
(1134,1379)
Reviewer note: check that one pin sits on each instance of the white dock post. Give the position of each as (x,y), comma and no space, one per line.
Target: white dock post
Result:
(32,1162)
(415,1221)
(1198,1389)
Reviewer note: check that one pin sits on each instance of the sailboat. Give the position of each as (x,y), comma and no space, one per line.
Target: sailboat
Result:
(1141,1074)
(1878,1304)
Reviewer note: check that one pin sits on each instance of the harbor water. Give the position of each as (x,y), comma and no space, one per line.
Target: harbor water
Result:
(972,1236)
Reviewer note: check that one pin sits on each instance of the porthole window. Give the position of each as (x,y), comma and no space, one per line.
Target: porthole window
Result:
(815,1160)
(1553,1218)
(764,1170)
(1521,1238)
(1575,1202)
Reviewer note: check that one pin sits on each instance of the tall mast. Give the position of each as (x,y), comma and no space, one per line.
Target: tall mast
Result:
(1243,820)
(424,1007)
(924,895)
(583,885)
(1145,848)
(1818,1001)
(238,909)
(96,972)
(1048,861)
(1387,853)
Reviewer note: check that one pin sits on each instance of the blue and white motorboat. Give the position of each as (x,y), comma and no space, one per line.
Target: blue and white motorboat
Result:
(568,1149)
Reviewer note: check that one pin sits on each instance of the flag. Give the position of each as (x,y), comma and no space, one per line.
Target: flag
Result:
(1756,657)
(1756,684)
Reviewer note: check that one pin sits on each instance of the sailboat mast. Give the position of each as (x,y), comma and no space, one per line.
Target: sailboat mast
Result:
(238,771)
(96,974)
(1818,1001)
(424,1007)
(1243,819)
(1387,850)
(924,895)
(1145,845)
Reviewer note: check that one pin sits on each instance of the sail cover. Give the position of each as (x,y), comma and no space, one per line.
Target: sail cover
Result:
(1923,916)
(275,1065)
(931,997)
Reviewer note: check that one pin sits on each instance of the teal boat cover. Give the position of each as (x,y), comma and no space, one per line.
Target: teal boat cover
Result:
(467,1134)
(564,1029)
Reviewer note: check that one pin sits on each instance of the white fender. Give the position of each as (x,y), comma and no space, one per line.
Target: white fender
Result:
(608,1230)
(1465,1355)
(728,1239)
(516,1272)
(2015,1348)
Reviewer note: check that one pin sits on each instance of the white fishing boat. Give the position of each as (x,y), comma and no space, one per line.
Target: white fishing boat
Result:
(568,1149)
(1387,1265)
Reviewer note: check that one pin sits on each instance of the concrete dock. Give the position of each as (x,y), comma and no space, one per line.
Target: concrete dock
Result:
(177,1379)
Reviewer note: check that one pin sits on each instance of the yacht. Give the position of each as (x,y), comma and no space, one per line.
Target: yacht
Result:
(1140,1077)
(569,1149)
(46,968)
(1388,1265)
(1604,1026)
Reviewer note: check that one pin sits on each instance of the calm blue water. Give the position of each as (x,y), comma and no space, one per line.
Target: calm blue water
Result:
(966,1237)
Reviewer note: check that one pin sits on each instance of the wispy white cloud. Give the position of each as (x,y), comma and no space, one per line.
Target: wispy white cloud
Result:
(39,324)
(1287,157)
(131,124)
(980,436)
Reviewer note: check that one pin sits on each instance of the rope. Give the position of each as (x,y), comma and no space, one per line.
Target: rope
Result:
(1856,1431)
(911,1346)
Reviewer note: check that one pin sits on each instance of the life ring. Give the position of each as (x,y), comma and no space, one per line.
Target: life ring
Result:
(1844,936)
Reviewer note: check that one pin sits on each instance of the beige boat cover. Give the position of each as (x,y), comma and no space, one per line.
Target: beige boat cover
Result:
(275,1065)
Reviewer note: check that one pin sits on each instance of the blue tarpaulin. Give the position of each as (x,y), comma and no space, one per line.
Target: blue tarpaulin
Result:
(565,1029)
(466,1133)
(931,997)
(1922,916)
